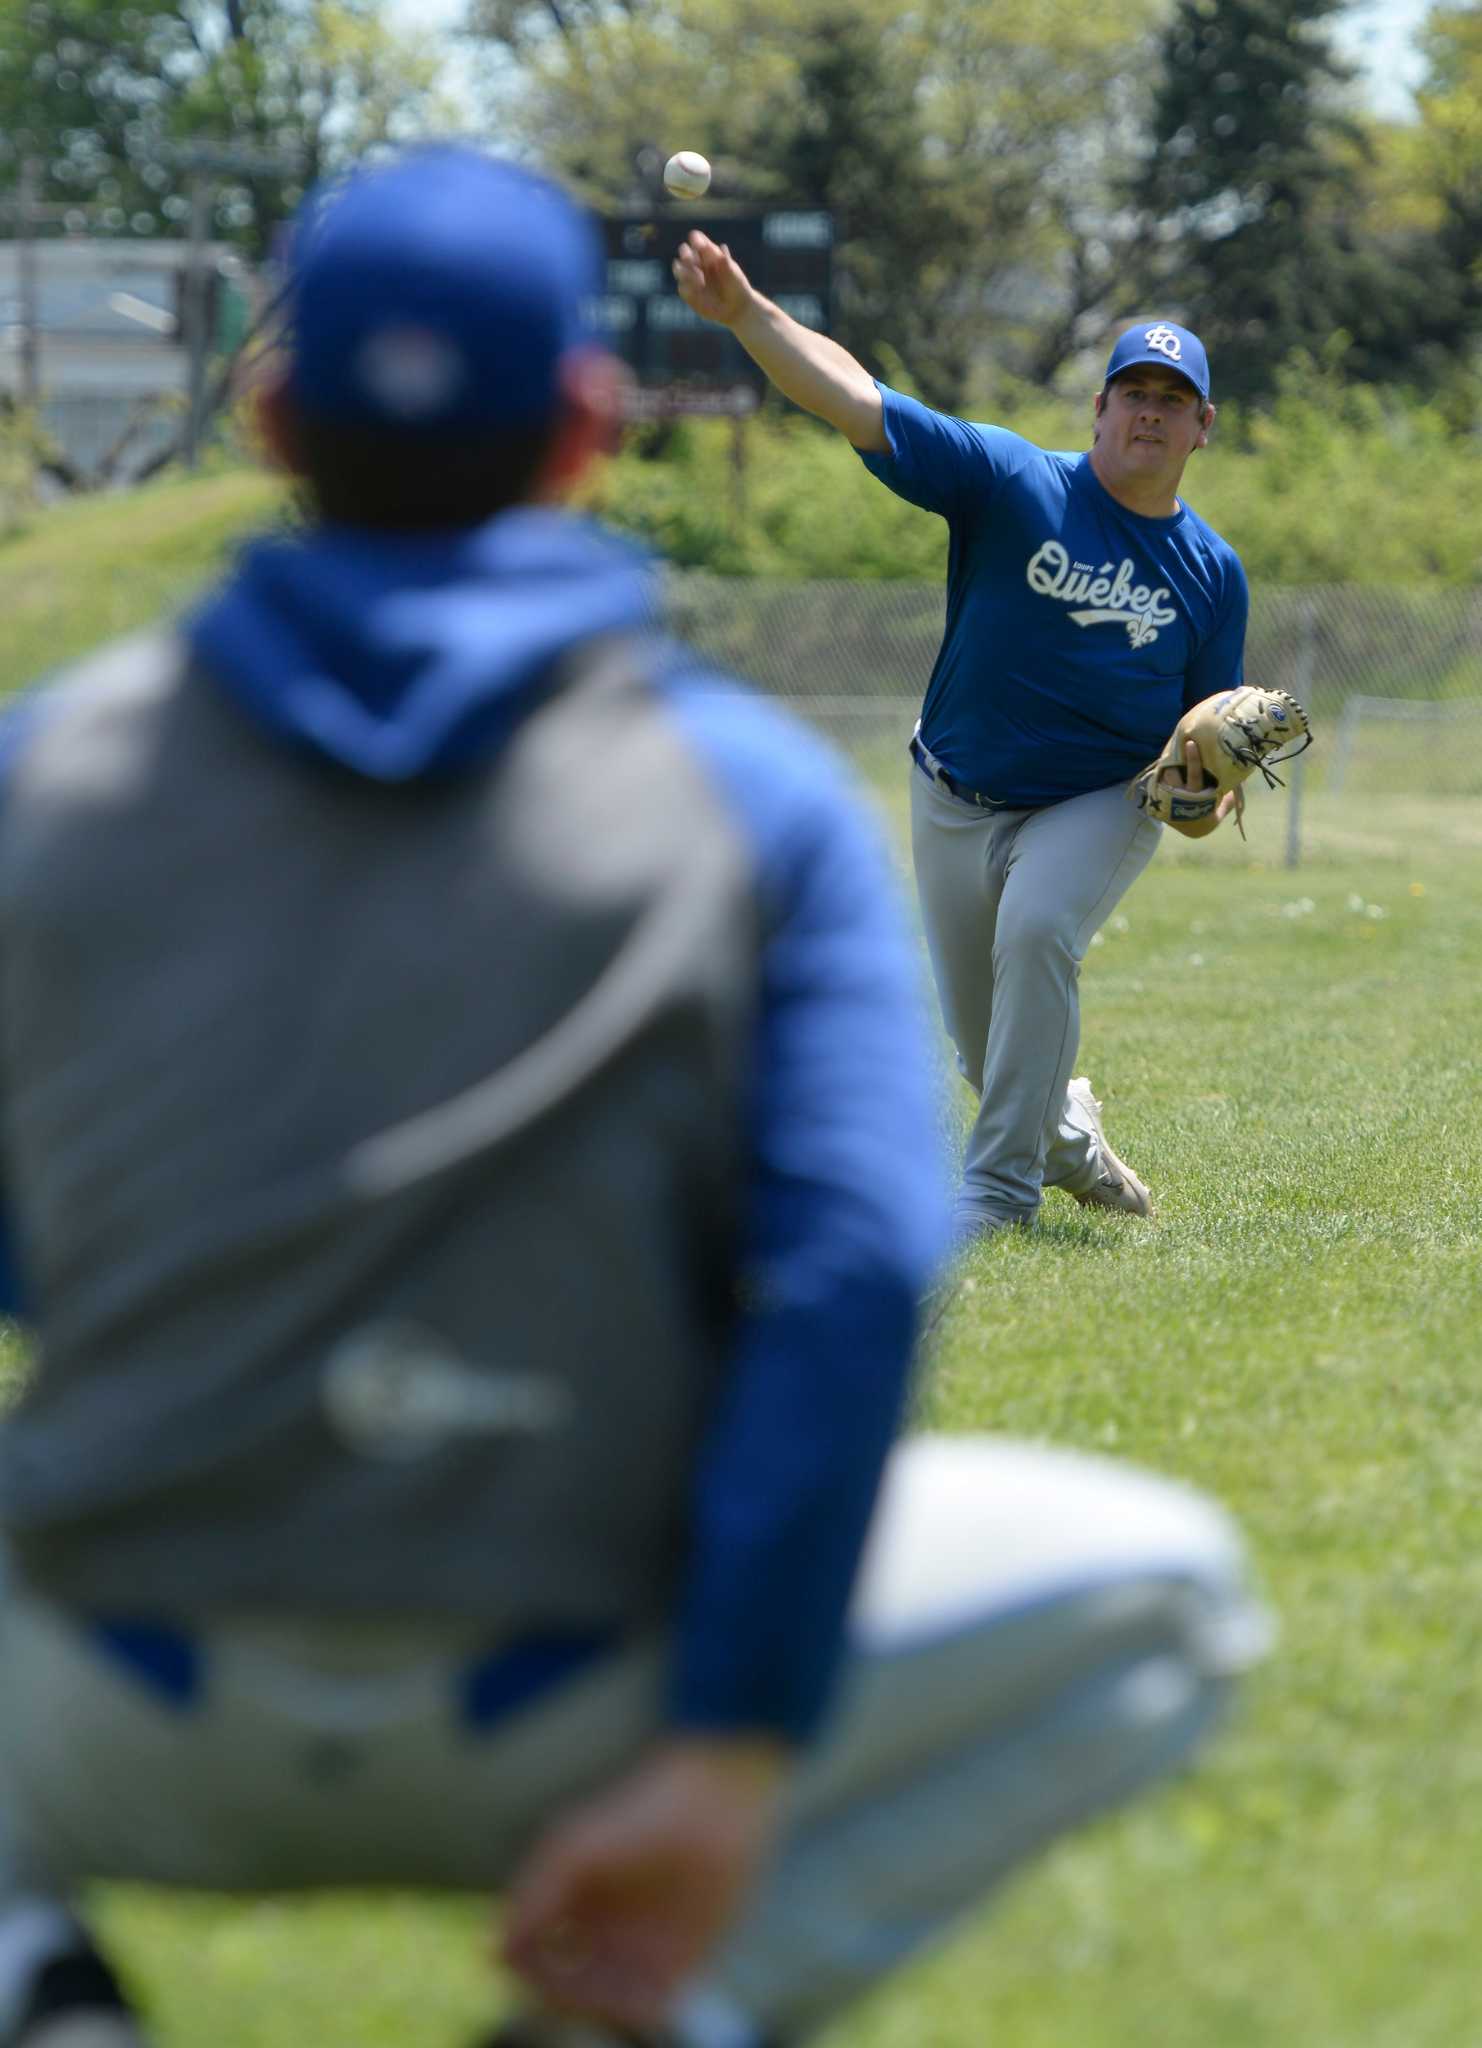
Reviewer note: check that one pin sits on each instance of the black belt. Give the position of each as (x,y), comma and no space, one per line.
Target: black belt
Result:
(933,770)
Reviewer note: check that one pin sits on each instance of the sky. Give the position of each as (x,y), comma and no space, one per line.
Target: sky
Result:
(1378,35)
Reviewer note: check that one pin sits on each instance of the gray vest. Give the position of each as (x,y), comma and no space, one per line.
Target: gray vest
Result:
(373,1153)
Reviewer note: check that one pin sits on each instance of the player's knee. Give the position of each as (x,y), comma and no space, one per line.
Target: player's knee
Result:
(983,1524)
(1037,932)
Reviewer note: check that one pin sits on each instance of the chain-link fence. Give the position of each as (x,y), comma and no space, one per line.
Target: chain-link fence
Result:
(1392,679)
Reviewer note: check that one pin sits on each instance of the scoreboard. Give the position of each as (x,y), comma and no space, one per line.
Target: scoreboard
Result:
(685,364)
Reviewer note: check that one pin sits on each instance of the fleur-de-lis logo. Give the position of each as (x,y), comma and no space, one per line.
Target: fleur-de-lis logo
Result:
(1165,341)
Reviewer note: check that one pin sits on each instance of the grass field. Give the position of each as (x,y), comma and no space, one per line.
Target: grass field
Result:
(106,565)
(1291,1059)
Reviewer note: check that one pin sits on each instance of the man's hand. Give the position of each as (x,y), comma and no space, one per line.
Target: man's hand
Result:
(710,280)
(623,1898)
(1192,777)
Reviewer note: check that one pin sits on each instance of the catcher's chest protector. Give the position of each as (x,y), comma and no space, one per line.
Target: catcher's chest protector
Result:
(378,1140)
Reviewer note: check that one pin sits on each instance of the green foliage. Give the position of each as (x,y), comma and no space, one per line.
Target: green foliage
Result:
(853,140)
(1334,483)
(105,93)
(1448,157)
(802,505)
(1252,190)
(980,156)
(1037,111)
(964,147)
(1450,101)
(1340,482)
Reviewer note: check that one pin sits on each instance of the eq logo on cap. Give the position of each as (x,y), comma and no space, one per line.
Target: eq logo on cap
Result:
(1165,341)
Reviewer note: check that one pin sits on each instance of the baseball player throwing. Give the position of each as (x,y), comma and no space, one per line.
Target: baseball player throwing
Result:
(1088,608)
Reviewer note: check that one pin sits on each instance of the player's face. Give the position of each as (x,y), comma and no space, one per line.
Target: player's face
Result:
(1150,422)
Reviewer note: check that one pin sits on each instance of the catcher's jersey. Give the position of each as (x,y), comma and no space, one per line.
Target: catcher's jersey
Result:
(1077,632)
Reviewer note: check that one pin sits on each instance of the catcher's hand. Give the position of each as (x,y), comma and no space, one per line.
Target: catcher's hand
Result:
(1211,752)
(623,1898)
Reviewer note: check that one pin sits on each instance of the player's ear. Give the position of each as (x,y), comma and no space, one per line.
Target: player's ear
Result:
(589,424)
(1206,427)
(276,421)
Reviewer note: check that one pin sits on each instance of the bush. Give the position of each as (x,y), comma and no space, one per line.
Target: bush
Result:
(1337,483)
(1347,483)
(797,503)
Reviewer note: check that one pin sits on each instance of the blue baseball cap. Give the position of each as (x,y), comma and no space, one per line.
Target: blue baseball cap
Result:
(438,292)
(1164,342)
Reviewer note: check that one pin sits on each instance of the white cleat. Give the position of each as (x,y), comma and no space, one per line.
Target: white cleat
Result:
(1116,1185)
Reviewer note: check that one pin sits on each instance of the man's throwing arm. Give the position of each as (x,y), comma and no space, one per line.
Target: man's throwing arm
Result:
(814,372)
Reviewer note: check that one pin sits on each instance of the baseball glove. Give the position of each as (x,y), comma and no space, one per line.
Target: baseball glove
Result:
(1236,732)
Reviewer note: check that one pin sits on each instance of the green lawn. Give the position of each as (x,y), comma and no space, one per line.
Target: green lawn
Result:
(1298,1333)
(106,565)
(1290,1058)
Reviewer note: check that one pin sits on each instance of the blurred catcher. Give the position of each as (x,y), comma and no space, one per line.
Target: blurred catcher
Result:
(469,1172)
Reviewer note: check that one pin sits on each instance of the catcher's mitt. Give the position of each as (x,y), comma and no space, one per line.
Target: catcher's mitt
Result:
(1236,732)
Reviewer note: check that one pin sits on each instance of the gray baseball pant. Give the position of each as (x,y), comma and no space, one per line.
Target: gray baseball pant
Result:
(1035,1635)
(1010,901)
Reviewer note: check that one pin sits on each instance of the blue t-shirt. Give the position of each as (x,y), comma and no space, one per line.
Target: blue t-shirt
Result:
(1078,633)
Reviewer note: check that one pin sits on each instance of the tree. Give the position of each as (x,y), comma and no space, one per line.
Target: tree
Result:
(1037,112)
(1448,151)
(816,104)
(1251,198)
(846,133)
(521,25)
(963,144)
(105,93)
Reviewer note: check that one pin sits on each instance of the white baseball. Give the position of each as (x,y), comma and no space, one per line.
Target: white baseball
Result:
(686,174)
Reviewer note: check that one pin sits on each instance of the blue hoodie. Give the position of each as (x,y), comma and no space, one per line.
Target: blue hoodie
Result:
(404,657)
